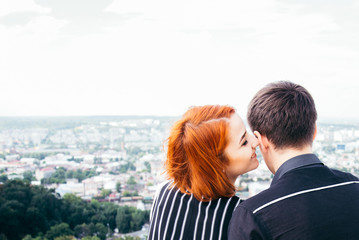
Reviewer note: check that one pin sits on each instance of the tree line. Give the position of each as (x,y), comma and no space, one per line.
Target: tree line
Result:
(61,174)
(34,212)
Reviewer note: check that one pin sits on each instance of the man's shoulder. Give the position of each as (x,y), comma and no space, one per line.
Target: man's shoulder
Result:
(260,199)
(344,175)
(288,184)
(313,177)
(298,181)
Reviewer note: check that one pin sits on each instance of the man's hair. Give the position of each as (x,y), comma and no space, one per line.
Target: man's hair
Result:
(285,113)
(195,156)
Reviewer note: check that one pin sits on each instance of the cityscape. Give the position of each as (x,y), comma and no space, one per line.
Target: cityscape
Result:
(119,159)
(91,88)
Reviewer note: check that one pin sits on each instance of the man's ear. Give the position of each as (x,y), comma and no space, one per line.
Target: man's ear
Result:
(263,141)
(315,132)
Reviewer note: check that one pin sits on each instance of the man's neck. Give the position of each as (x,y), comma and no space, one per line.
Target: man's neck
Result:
(282,155)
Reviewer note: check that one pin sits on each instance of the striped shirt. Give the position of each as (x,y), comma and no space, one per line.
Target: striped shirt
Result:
(175,215)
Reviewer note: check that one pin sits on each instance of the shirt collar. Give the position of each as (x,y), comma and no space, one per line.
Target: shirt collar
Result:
(296,162)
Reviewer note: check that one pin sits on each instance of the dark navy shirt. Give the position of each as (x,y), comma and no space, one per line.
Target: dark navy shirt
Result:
(296,162)
(306,201)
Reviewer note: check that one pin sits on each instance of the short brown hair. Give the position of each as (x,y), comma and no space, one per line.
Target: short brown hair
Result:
(195,156)
(285,113)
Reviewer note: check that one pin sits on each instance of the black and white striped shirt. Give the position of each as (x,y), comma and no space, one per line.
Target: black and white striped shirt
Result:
(176,216)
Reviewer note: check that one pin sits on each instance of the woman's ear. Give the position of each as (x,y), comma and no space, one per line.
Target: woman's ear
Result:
(263,141)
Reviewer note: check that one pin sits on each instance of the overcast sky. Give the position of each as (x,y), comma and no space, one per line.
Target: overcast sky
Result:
(158,57)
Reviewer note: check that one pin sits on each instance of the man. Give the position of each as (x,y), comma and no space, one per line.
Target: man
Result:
(306,199)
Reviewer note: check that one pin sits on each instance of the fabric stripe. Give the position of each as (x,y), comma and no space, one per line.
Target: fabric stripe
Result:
(151,221)
(303,192)
(155,201)
(185,218)
(154,206)
(224,215)
(199,213)
(168,192)
(170,213)
(175,216)
(155,219)
(152,209)
(214,217)
(178,213)
(205,221)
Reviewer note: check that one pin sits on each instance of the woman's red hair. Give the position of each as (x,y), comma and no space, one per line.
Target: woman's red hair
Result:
(195,156)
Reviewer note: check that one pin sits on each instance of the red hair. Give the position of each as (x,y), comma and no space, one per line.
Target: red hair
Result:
(195,157)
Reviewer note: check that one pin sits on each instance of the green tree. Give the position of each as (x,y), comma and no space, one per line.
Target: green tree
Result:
(3,178)
(127,194)
(118,187)
(65,238)
(110,212)
(48,203)
(129,238)
(28,176)
(101,231)
(75,211)
(3,236)
(137,219)
(79,175)
(148,166)
(82,231)
(69,174)
(58,177)
(131,181)
(36,221)
(105,193)
(60,174)
(15,196)
(62,229)
(130,194)
(90,238)
(123,219)
(34,210)
(39,156)
(17,190)
(27,237)
(97,160)
(26,209)
(12,213)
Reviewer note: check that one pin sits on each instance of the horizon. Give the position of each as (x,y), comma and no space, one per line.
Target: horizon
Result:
(322,120)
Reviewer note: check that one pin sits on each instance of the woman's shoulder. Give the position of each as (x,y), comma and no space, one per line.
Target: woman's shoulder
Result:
(166,185)
(231,202)
(163,187)
(233,198)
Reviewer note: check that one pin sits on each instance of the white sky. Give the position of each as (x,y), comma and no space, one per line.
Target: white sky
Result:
(158,57)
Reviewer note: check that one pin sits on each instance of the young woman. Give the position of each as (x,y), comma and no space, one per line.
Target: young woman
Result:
(208,148)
